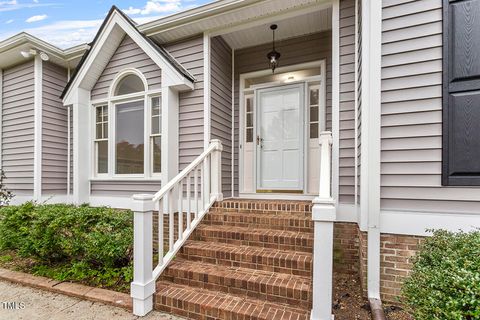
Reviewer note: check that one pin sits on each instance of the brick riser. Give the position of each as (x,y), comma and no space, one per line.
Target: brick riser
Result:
(265,238)
(262,285)
(246,260)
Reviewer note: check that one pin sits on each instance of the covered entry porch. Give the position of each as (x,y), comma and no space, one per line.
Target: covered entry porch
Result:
(270,121)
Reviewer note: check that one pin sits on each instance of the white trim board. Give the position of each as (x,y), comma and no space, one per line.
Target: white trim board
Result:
(207,100)
(335,99)
(1,113)
(415,223)
(37,136)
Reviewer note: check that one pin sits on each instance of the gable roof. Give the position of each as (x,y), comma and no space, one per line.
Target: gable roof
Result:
(180,70)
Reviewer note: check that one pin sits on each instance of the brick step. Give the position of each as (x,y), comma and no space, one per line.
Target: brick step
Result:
(276,221)
(248,236)
(198,303)
(289,262)
(258,284)
(265,206)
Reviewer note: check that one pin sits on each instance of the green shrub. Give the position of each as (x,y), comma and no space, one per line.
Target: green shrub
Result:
(5,194)
(445,280)
(70,242)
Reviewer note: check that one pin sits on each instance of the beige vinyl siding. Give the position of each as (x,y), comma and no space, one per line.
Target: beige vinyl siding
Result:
(123,188)
(294,51)
(18,128)
(128,55)
(411,152)
(347,102)
(189,53)
(54,131)
(221,106)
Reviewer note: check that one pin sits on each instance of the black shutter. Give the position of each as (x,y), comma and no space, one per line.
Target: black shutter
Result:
(461,93)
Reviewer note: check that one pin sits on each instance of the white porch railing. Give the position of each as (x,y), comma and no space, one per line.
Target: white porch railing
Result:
(323,215)
(204,174)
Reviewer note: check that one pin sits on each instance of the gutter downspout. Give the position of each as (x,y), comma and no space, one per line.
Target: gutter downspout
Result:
(371,143)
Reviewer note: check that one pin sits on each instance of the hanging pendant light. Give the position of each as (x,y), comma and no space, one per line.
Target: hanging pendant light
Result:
(273,55)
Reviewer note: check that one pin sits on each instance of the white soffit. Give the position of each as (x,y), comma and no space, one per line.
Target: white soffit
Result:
(309,23)
(232,18)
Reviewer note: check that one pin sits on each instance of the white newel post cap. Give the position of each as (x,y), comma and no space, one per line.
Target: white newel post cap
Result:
(143,202)
(325,137)
(324,210)
(217,143)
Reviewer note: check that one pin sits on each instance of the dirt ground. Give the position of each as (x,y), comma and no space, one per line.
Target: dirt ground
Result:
(349,304)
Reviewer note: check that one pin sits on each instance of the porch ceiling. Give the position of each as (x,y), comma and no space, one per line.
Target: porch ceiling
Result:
(312,22)
(231,14)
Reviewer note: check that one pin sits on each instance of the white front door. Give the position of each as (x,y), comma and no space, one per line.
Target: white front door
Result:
(280,139)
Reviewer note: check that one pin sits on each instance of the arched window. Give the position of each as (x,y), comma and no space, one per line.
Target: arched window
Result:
(136,130)
(129,84)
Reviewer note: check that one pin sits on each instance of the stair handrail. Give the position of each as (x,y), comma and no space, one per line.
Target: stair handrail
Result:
(206,172)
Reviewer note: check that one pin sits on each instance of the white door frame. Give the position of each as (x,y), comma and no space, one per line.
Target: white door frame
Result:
(243,77)
(302,133)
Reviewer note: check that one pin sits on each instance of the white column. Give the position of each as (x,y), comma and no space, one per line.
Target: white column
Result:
(170,124)
(37,136)
(81,146)
(324,216)
(216,171)
(143,285)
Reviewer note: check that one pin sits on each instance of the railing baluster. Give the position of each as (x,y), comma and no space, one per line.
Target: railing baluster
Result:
(144,205)
(180,210)
(160,230)
(207,181)
(195,190)
(189,189)
(171,219)
(202,185)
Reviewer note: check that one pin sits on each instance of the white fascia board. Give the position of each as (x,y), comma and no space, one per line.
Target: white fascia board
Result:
(23,38)
(174,78)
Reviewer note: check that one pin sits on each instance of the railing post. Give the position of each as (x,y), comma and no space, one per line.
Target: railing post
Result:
(143,285)
(324,216)
(216,171)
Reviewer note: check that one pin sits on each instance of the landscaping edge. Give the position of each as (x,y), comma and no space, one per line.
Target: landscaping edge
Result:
(71,289)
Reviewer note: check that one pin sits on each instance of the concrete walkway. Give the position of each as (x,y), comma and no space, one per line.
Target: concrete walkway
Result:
(33,304)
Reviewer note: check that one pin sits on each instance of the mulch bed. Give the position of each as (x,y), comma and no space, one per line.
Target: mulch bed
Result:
(349,303)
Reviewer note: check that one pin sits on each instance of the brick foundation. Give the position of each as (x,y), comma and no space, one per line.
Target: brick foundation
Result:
(396,252)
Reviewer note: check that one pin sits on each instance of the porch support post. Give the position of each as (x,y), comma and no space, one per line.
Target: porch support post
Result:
(81,145)
(143,286)
(324,216)
(216,171)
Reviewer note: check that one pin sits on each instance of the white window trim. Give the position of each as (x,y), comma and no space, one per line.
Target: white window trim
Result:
(111,102)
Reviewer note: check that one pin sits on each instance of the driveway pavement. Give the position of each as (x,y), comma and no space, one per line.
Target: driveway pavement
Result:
(20,302)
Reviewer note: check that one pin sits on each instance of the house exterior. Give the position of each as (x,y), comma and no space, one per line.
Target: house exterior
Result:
(372,114)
